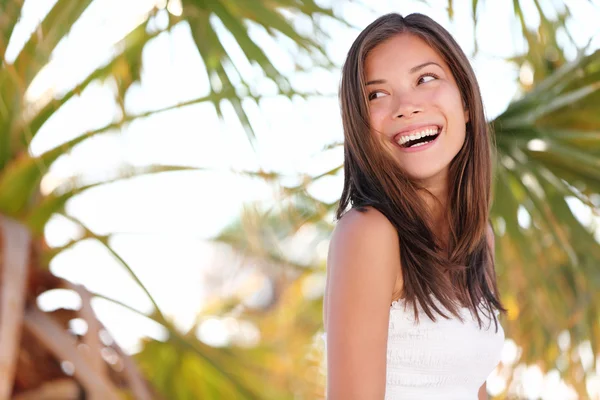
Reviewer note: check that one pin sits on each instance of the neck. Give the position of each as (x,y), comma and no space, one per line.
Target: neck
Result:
(436,199)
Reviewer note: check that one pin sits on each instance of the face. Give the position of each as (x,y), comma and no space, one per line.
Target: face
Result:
(416,107)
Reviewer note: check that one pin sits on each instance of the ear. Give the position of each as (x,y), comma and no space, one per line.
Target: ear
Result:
(466,115)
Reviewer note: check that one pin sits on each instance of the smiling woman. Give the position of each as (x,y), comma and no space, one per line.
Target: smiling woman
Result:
(411,302)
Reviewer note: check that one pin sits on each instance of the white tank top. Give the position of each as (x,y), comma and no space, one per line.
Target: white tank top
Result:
(446,359)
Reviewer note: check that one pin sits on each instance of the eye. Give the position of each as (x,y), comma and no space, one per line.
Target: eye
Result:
(372,95)
(427,78)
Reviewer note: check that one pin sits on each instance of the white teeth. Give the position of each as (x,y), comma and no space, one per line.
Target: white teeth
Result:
(427,132)
(420,144)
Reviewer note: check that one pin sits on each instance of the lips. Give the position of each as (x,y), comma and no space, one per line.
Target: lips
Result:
(418,138)
(415,129)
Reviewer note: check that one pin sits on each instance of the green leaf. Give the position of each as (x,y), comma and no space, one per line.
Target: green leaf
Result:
(548,146)
(55,201)
(450,9)
(52,29)
(19,181)
(10,10)
(218,63)
(15,78)
(124,68)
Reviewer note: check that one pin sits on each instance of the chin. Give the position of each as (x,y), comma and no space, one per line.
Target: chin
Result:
(423,179)
(425,175)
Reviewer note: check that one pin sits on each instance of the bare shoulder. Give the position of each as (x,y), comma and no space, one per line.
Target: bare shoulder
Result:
(365,243)
(362,266)
(355,225)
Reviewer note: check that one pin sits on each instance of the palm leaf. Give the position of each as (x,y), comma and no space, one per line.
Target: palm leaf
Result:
(54,202)
(15,78)
(548,152)
(213,370)
(10,11)
(219,64)
(37,50)
(124,68)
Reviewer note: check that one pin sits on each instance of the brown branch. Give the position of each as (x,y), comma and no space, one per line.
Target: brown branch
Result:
(65,389)
(92,337)
(133,376)
(15,259)
(62,345)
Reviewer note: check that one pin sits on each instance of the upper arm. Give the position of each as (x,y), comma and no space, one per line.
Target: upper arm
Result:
(482,394)
(362,264)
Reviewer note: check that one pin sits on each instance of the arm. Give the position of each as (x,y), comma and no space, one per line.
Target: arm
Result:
(482,395)
(363,261)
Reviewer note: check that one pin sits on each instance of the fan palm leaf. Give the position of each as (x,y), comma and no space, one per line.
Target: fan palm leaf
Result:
(25,208)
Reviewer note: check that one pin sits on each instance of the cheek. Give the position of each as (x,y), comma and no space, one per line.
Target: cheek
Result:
(452,102)
(458,134)
(376,120)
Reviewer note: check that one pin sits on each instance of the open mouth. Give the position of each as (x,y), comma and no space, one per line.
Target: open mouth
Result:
(420,138)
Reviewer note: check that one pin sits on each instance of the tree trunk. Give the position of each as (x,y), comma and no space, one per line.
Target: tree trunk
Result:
(15,246)
(35,345)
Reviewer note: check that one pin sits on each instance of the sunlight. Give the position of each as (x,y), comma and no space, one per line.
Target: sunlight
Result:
(537,145)
(162,224)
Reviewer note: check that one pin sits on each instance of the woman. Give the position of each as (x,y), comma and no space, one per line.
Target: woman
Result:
(411,299)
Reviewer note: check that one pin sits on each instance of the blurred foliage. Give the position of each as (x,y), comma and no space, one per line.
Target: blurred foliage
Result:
(182,367)
(548,157)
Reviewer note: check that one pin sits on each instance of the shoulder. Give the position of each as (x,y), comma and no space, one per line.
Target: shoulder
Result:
(364,256)
(365,235)
(355,224)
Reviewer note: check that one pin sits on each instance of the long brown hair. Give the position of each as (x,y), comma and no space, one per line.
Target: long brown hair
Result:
(373,178)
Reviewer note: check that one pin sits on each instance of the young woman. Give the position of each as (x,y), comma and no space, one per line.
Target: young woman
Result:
(411,303)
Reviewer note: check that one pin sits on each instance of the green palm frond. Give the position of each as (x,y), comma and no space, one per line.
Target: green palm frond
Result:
(20,180)
(54,202)
(16,77)
(214,372)
(544,54)
(10,10)
(235,17)
(188,369)
(548,152)
(124,68)
(37,50)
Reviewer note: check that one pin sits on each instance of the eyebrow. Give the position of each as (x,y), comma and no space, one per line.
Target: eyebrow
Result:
(412,71)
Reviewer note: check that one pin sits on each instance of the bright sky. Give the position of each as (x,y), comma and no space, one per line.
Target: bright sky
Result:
(163,221)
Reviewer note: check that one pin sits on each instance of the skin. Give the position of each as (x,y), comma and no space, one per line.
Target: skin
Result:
(364,272)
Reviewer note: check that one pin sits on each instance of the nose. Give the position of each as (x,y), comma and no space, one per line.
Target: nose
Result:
(407,108)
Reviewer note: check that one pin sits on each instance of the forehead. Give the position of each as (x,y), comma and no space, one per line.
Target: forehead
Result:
(400,53)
